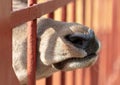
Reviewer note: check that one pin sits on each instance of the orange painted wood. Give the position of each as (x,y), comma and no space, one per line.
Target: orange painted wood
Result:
(57,79)
(64,13)
(31,48)
(51,15)
(36,10)
(7,75)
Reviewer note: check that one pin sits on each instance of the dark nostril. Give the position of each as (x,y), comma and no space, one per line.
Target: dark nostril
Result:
(76,40)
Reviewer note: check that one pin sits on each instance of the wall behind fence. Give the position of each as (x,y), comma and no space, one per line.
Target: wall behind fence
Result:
(103,17)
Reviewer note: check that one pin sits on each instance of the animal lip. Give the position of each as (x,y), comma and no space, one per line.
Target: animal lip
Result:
(60,65)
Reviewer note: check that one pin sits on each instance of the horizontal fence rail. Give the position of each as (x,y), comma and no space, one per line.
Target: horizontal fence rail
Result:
(37,10)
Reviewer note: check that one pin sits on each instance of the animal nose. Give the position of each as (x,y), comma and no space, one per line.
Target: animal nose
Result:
(92,46)
(86,41)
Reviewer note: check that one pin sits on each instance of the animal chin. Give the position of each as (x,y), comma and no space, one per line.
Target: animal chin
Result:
(73,63)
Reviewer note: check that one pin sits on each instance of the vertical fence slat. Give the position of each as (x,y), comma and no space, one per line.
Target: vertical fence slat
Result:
(31,53)
(64,13)
(51,15)
(31,49)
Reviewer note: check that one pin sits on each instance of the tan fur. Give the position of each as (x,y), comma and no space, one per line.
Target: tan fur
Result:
(52,47)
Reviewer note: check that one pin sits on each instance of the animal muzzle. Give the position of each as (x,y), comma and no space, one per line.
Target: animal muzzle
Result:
(86,41)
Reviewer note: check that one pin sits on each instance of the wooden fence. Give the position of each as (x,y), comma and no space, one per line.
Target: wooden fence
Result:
(101,15)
